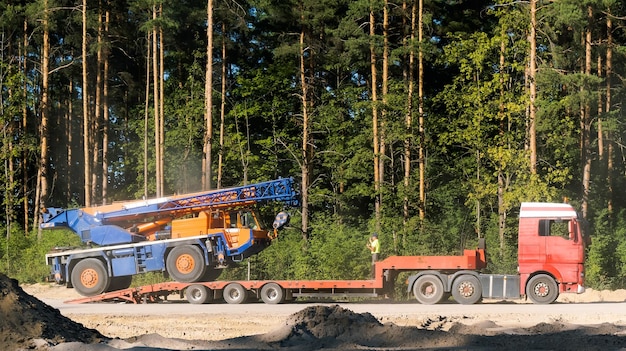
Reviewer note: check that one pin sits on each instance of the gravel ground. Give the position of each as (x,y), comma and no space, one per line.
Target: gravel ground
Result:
(29,323)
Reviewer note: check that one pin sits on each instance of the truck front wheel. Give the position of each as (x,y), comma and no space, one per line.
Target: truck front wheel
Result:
(542,289)
(89,277)
(185,264)
(428,290)
(466,289)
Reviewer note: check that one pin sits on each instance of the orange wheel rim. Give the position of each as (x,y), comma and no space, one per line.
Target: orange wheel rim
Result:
(185,263)
(89,278)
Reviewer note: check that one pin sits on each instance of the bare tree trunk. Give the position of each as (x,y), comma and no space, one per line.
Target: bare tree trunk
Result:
(161,160)
(222,109)
(532,70)
(600,109)
(42,174)
(105,108)
(376,136)
(586,123)
(408,119)
(86,119)
(501,180)
(609,73)
(421,128)
(208,102)
(70,133)
(96,125)
(25,187)
(385,93)
(7,136)
(156,103)
(305,139)
(146,117)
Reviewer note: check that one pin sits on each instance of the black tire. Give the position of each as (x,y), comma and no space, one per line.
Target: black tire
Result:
(235,294)
(428,290)
(272,294)
(467,289)
(90,277)
(198,294)
(542,289)
(120,283)
(185,264)
(211,274)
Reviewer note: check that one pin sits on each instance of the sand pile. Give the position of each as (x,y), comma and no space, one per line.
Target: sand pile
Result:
(26,322)
(334,327)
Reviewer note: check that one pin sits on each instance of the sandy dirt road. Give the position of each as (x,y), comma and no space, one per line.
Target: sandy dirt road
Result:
(595,320)
(219,321)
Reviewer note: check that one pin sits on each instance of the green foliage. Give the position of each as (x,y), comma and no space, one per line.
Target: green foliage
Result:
(23,256)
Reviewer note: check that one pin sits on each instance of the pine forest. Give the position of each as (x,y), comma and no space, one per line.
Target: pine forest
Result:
(426,121)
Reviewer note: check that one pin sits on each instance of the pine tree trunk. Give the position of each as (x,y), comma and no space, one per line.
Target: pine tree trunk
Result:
(376,137)
(421,128)
(609,73)
(222,110)
(146,117)
(304,192)
(501,176)
(24,126)
(384,93)
(208,102)
(161,160)
(156,103)
(586,124)
(96,125)
(105,109)
(86,119)
(41,192)
(532,70)
(408,119)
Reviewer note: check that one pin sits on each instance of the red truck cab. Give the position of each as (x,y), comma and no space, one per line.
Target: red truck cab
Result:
(551,250)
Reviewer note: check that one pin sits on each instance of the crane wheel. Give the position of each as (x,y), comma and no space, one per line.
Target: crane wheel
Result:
(120,283)
(89,277)
(185,264)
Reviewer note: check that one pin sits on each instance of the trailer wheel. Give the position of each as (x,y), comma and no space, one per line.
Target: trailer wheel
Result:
(120,283)
(89,277)
(198,294)
(467,289)
(542,289)
(235,294)
(272,294)
(428,290)
(185,264)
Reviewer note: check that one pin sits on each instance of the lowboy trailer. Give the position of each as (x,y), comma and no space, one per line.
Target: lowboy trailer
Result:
(551,250)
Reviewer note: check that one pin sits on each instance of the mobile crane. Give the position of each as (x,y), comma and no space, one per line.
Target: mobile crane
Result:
(191,237)
(551,251)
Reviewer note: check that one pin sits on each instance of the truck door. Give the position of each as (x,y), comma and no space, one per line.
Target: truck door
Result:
(564,249)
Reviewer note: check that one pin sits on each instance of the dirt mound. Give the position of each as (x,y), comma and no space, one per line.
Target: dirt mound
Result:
(333,327)
(26,322)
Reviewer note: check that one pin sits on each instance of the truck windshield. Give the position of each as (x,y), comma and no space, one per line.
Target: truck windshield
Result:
(248,220)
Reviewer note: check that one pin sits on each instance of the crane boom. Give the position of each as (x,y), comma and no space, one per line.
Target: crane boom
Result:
(133,221)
